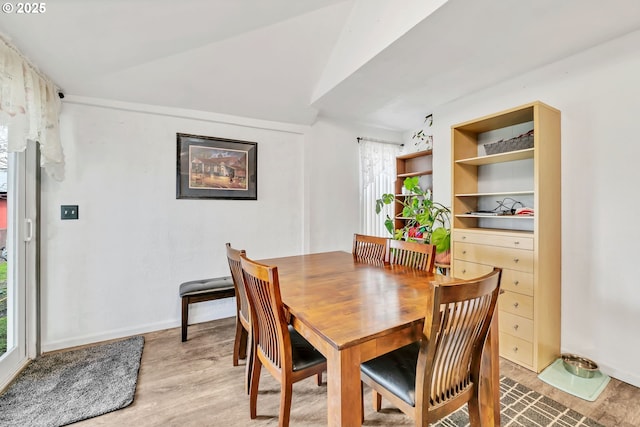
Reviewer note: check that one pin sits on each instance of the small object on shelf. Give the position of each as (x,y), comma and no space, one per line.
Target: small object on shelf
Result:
(521,142)
(524,211)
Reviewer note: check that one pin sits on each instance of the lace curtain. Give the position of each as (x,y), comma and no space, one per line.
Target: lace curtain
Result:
(377,176)
(29,110)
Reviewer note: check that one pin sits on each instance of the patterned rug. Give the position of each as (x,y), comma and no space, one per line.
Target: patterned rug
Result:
(522,407)
(62,388)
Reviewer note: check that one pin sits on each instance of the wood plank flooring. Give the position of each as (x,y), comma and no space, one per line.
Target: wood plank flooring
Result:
(195,384)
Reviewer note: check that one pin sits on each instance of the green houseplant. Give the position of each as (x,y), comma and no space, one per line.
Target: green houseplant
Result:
(424,219)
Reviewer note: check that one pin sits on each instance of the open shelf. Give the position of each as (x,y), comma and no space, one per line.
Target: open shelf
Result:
(418,173)
(498,158)
(502,193)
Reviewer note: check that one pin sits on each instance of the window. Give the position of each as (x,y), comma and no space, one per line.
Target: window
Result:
(377,175)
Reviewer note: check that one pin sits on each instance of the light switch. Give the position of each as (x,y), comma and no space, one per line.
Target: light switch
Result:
(69,212)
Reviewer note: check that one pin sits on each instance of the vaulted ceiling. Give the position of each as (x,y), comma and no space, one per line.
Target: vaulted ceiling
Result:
(381,62)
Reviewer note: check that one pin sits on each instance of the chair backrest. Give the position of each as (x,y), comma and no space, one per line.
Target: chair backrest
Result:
(455,331)
(370,249)
(242,303)
(416,255)
(268,319)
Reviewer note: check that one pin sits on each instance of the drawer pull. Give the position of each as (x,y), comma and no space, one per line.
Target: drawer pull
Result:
(464,252)
(516,243)
(515,349)
(515,327)
(515,305)
(464,237)
(464,271)
(516,282)
(516,260)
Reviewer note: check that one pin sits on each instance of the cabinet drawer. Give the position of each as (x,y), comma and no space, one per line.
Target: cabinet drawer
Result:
(514,259)
(518,304)
(517,281)
(470,270)
(517,349)
(516,325)
(503,240)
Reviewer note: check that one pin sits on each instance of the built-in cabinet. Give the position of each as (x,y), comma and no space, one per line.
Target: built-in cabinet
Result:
(486,232)
(418,164)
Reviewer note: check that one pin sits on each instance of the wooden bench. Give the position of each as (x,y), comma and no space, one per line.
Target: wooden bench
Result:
(203,290)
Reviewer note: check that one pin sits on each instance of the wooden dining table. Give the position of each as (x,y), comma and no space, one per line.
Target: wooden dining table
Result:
(353,312)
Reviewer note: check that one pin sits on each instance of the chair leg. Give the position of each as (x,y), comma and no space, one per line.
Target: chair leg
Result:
(250,352)
(377,401)
(236,344)
(244,343)
(474,411)
(361,402)
(185,317)
(253,393)
(286,390)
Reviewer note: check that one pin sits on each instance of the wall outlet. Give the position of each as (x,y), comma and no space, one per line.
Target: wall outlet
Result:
(69,212)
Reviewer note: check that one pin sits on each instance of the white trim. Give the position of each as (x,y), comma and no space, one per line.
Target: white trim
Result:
(187,114)
(139,329)
(6,380)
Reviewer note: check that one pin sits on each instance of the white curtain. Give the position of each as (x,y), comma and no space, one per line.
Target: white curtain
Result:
(29,109)
(377,176)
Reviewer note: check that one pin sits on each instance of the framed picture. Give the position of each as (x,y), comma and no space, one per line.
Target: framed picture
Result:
(216,168)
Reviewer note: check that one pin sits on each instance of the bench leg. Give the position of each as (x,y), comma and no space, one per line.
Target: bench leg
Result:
(185,317)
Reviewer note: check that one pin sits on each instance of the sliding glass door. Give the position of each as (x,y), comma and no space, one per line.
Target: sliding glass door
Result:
(17,259)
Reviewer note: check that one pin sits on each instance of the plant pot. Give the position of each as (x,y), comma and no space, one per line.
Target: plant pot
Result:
(443,257)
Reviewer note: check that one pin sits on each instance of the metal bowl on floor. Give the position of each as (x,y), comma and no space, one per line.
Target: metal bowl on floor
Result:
(579,366)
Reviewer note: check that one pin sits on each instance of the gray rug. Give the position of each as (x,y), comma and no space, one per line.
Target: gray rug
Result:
(522,407)
(62,388)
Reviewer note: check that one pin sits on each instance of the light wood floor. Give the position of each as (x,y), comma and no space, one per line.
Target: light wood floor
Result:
(195,384)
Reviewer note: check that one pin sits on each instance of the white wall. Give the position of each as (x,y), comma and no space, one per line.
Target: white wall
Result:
(599,97)
(332,190)
(116,270)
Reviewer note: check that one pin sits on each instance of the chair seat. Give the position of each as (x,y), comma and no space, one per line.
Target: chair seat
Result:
(396,371)
(304,355)
(202,286)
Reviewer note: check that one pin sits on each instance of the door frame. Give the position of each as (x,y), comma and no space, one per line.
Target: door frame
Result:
(23,180)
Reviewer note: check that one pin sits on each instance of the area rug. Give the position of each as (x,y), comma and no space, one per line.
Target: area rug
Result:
(62,388)
(522,407)
(585,388)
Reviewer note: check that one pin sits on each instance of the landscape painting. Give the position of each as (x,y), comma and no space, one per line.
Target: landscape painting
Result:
(216,168)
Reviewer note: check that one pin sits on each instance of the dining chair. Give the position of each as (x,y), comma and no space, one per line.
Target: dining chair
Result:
(435,376)
(278,347)
(416,255)
(370,249)
(241,348)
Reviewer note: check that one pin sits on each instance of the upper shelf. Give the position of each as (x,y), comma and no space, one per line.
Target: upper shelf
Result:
(410,174)
(498,158)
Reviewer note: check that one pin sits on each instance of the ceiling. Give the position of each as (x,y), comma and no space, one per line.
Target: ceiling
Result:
(265,59)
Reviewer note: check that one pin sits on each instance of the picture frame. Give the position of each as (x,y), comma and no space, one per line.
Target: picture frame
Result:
(216,168)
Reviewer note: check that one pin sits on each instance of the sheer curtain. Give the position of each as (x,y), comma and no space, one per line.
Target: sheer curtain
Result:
(377,176)
(29,109)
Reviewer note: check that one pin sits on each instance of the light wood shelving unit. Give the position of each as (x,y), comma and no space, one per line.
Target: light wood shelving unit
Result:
(528,248)
(420,164)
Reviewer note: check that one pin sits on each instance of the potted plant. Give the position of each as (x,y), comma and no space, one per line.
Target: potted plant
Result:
(424,219)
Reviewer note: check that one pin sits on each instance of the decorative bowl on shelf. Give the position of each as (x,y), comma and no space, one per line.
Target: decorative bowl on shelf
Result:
(521,142)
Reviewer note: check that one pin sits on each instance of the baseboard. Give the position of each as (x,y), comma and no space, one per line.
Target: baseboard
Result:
(626,377)
(197,317)
(6,380)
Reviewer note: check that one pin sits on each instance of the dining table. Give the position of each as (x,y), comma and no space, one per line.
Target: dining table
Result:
(353,311)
